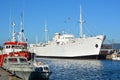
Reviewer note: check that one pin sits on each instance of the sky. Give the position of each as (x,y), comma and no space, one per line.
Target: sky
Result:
(100,17)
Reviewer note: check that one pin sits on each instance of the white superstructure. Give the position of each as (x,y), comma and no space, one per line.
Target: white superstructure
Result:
(67,46)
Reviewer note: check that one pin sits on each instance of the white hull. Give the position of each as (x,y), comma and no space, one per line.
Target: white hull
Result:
(116,58)
(23,75)
(20,67)
(66,45)
(32,75)
(78,47)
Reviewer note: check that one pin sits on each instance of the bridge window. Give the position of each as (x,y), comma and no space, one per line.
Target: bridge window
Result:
(22,60)
(7,47)
(12,60)
(13,46)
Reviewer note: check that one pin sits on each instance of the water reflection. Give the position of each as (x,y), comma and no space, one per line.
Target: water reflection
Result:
(67,69)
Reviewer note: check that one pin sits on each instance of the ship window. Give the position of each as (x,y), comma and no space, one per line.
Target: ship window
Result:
(6,46)
(24,47)
(5,60)
(45,68)
(12,60)
(58,43)
(39,69)
(17,47)
(21,47)
(23,60)
(13,46)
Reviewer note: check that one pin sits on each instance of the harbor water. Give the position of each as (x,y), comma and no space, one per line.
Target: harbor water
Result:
(71,69)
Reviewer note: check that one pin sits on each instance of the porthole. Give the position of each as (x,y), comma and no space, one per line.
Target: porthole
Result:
(96,45)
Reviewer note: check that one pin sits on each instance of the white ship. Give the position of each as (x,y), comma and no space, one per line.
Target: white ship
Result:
(67,46)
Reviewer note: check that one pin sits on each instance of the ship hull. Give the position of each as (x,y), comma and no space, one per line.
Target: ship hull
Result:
(81,48)
(33,75)
(76,57)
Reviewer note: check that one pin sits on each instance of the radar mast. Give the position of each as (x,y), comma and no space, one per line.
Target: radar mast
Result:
(81,23)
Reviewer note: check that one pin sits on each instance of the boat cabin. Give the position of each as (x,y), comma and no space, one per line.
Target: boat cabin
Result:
(15,60)
(14,47)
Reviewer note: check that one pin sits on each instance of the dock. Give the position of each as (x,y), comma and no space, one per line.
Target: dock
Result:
(4,75)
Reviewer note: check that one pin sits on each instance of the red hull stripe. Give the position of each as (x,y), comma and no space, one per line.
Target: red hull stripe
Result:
(15,43)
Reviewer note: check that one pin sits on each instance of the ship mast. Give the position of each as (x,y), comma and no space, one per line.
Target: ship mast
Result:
(13,32)
(46,32)
(21,33)
(36,39)
(81,22)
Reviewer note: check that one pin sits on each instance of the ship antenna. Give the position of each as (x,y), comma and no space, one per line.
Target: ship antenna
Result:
(81,22)
(46,32)
(10,25)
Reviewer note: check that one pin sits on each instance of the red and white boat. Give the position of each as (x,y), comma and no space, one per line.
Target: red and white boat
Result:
(16,58)
(16,46)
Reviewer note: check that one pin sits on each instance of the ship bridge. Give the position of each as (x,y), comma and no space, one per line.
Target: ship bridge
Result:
(63,39)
